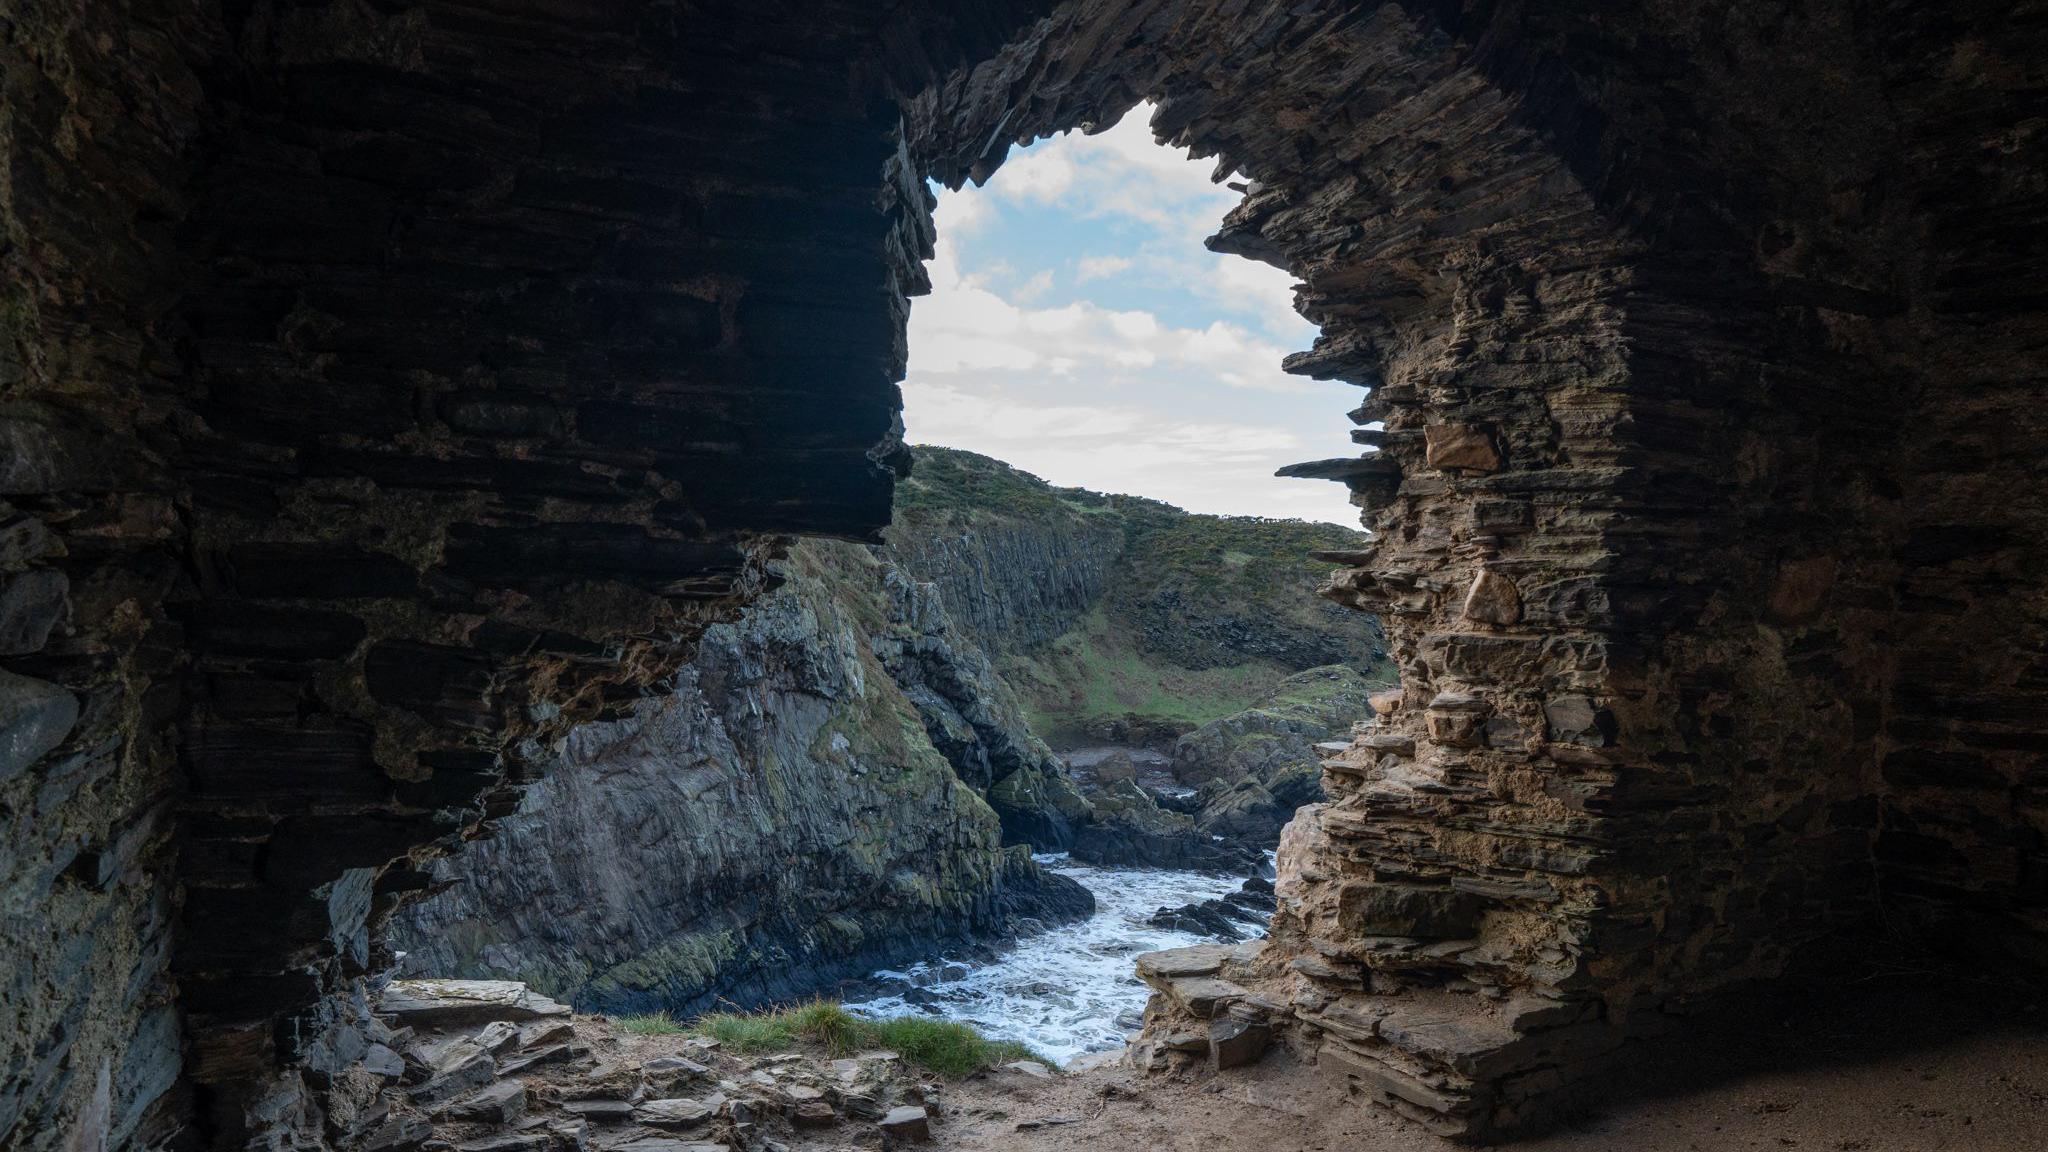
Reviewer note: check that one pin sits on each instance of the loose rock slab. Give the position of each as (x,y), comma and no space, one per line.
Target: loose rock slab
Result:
(678,1112)
(450,1003)
(907,1123)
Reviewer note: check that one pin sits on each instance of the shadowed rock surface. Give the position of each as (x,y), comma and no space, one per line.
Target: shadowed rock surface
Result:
(779,822)
(388,389)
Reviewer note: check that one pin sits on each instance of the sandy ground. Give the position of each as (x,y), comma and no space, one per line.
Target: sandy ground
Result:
(1891,1069)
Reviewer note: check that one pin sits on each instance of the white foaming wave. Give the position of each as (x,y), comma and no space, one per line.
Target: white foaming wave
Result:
(1073,989)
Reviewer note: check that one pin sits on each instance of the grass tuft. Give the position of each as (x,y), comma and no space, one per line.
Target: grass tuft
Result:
(652,1024)
(946,1047)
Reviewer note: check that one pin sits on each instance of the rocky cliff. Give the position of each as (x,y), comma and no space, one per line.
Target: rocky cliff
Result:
(843,778)
(1116,618)
(783,818)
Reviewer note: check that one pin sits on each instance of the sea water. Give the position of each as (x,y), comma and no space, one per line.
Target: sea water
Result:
(1067,991)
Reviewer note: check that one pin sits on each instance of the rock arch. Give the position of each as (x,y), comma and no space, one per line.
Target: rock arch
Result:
(389,386)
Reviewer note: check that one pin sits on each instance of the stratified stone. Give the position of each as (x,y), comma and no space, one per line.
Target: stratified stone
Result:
(1460,446)
(466,1070)
(1575,719)
(1369,908)
(449,1003)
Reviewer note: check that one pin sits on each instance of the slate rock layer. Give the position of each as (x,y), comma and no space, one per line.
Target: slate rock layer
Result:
(396,386)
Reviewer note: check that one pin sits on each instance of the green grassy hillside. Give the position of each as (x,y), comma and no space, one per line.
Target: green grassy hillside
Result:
(1118,617)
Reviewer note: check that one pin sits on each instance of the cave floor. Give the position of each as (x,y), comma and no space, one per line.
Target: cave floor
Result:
(1889,1057)
(1986,1092)
(1897,1062)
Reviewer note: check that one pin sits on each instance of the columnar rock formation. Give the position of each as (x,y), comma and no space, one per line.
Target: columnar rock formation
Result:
(390,387)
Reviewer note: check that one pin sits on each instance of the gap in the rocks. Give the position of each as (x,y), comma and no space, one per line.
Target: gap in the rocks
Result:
(1079,330)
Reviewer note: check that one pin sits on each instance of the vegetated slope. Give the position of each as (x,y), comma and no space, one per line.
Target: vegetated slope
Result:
(1118,618)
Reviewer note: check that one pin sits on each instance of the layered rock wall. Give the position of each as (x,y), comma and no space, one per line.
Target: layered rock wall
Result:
(1639,561)
(390,387)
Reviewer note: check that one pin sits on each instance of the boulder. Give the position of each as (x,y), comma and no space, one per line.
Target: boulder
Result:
(907,1123)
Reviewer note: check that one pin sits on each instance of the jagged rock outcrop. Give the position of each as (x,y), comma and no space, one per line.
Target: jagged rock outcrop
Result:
(806,804)
(971,716)
(392,387)
(1252,769)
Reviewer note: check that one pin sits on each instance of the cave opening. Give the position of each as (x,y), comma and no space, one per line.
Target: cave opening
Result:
(396,394)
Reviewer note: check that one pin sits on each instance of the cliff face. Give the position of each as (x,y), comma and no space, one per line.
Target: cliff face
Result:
(1115,618)
(780,820)
(843,777)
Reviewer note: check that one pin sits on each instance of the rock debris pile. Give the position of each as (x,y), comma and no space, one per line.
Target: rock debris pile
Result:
(489,1066)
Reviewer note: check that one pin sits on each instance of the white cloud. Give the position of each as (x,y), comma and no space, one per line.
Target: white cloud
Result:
(1044,176)
(1179,396)
(1036,287)
(1100,267)
(964,324)
(956,215)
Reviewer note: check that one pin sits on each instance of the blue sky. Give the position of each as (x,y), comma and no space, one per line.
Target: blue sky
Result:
(1078,329)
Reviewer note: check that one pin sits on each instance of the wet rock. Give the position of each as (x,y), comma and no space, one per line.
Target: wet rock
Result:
(1215,918)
